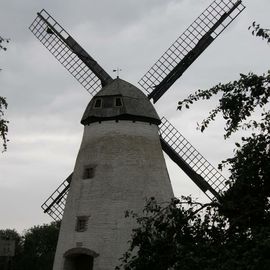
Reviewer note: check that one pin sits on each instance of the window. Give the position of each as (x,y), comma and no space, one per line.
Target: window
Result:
(81,224)
(98,103)
(118,102)
(89,172)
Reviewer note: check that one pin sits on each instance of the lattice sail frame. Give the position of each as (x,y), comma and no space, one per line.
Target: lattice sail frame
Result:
(54,206)
(191,37)
(192,157)
(55,43)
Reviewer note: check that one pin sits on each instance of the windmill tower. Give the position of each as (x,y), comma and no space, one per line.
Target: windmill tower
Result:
(120,161)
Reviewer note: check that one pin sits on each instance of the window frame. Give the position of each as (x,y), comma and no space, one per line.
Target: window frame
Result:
(89,172)
(95,103)
(81,223)
(118,99)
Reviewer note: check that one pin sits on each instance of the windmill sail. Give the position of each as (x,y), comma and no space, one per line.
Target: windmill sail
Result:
(204,175)
(69,53)
(188,47)
(54,206)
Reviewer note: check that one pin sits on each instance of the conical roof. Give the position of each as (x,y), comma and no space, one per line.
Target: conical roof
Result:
(120,100)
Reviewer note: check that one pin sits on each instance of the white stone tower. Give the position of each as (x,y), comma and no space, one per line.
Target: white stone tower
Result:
(120,163)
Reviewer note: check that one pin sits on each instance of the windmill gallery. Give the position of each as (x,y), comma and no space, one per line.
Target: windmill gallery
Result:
(120,161)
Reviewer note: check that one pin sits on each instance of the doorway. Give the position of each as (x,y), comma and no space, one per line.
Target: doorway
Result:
(79,262)
(79,259)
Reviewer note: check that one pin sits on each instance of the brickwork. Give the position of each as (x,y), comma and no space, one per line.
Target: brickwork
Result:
(129,167)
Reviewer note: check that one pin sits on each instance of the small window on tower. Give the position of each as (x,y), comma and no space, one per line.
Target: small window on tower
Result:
(118,102)
(98,103)
(89,172)
(81,224)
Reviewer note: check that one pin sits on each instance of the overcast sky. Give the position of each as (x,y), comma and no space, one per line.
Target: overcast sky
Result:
(46,103)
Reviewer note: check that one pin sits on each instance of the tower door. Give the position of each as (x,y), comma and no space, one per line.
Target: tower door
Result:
(79,262)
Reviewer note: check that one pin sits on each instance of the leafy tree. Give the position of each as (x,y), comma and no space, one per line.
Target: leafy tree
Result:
(34,249)
(187,235)
(39,247)
(2,43)
(3,106)
(249,170)
(3,123)
(234,232)
(9,234)
(258,31)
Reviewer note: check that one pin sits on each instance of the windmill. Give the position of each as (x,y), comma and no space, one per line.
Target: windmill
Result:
(161,76)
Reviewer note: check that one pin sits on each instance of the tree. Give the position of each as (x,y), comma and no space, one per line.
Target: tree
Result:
(234,232)
(249,170)
(39,247)
(3,123)
(186,235)
(34,249)
(258,31)
(3,106)
(2,42)
(9,234)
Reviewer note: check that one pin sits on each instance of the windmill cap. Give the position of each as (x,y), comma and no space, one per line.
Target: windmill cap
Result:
(120,100)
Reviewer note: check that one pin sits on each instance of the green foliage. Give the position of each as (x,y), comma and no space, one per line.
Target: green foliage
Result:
(2,42)
(39,247)
(238,100)
(249,167)
(249,191)
(257,31)
(3,106)
(3,123)
(9,234)
(186,235)
(35,249)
